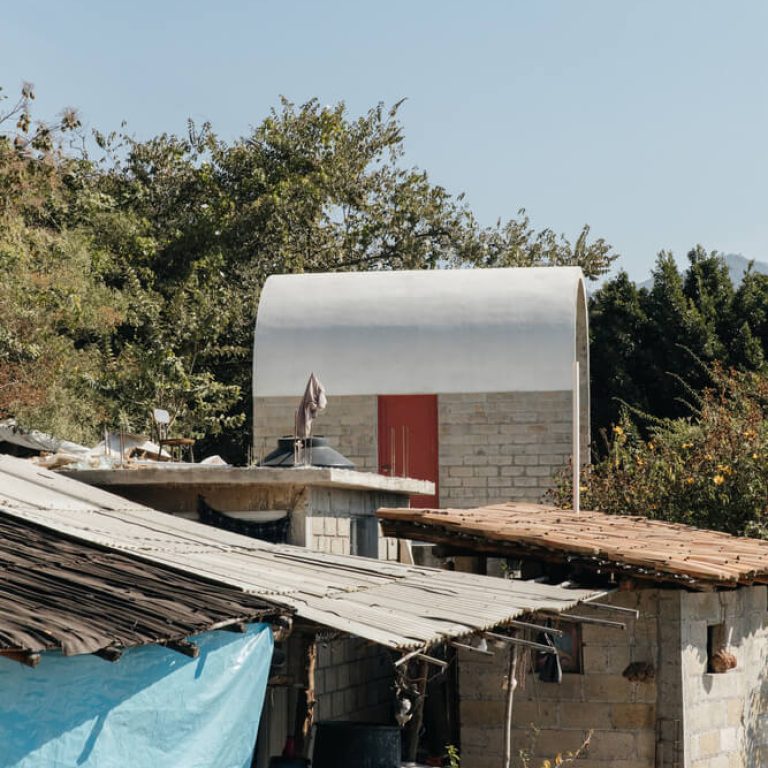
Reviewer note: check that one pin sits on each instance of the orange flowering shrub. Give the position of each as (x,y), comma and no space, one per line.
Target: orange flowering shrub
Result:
(709,470)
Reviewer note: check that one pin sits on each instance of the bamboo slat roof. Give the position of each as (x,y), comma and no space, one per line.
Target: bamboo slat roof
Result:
(57,593)
(636,546)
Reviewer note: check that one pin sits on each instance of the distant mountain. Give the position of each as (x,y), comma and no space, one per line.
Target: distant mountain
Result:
(737,266)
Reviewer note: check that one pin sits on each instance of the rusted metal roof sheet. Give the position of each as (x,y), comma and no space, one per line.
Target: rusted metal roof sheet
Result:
(395,605)
(58,593)
(637,546)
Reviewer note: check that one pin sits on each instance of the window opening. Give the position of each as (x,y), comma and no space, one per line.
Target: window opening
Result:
(719,658)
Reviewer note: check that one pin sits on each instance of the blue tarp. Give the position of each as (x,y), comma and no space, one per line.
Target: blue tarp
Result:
(154,708)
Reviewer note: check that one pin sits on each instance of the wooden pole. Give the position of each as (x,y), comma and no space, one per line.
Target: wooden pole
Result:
(511,685)
(305,705)
(414,726)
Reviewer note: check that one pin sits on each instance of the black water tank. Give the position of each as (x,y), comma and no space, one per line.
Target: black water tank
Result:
(317,453)
(356,745)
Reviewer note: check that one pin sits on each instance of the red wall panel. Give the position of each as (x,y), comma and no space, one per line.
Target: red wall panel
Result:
(408,440)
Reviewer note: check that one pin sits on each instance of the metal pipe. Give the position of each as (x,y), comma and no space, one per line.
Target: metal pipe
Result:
(511,685)
(465,647)
(617,608)
(519,641)
(588,620)
(535,627)
(576,449)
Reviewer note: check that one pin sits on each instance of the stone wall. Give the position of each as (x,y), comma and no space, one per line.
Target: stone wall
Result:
(726,714)
(621,713)
(492,446)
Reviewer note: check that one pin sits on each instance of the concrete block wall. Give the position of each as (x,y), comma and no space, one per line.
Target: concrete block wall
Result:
(621,713)
(354,681)
(349,423)
(726,714)
(491,446)
(334,512)
(502,446)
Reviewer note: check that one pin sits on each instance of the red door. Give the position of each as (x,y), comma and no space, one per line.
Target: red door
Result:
(408,440)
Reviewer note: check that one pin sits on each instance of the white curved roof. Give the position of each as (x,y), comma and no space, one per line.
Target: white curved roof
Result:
(431,331)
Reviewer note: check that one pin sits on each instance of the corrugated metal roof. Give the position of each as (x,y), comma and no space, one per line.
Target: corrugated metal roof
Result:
(637,546)
(392,604)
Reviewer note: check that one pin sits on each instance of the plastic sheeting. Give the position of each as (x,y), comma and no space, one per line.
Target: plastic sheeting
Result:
(154,708)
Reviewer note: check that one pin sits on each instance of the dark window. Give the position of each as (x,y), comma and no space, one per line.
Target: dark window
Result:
(365,536)
(568,646)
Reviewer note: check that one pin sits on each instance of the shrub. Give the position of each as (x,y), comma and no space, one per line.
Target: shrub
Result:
(709,470)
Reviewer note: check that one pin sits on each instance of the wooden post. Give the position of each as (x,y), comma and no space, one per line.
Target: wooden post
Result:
(414,726)
(305,706)
(511,685)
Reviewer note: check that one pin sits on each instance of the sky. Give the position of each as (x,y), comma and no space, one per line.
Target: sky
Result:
(646,119)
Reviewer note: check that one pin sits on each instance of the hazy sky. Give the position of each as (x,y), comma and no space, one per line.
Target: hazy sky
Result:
(647,119)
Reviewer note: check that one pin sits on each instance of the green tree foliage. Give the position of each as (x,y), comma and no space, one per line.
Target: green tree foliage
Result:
(54,309)
(131,276)
(708,470)
(645,342)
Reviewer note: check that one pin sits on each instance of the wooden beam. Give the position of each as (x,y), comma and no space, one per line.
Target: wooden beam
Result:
(110,653)
(239,626)
(184,647)
(413,729)
(27,658)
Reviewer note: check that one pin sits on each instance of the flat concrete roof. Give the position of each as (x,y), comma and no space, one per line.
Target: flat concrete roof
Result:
(197,474)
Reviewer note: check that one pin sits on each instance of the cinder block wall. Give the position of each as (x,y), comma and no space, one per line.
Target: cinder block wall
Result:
(684,718)
(333,512)
(622,713)
(492,446)
(354,681)
(501,446)
(726,715)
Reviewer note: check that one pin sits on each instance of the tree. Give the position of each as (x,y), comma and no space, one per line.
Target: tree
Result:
(310,189)
(167,242)
(618,327)
(646,342)
(51,298)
